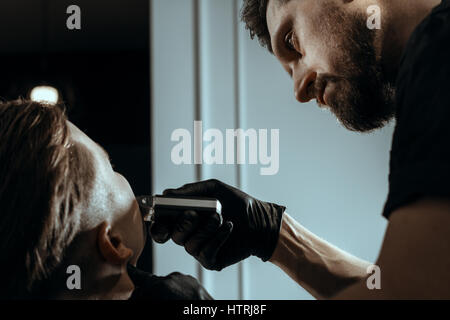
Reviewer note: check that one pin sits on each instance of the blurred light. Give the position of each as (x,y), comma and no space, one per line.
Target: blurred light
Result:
(44,94)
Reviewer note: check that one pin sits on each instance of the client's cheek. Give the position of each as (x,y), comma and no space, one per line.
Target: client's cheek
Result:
(141,233)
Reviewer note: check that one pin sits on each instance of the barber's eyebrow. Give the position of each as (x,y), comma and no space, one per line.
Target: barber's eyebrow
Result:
(277,42)
(280,28)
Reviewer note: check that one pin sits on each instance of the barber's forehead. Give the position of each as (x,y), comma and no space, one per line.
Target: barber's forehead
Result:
(280,3)
(276,9)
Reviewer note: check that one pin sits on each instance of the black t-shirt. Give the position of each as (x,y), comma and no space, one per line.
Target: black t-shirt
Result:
(420,154)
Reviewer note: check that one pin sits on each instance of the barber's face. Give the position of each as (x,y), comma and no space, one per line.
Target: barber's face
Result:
(330,54)
(113,197)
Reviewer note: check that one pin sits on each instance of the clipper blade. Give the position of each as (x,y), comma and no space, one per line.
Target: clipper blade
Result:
(146,204)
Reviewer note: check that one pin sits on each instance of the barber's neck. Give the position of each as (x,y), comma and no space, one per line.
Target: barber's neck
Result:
(399,19)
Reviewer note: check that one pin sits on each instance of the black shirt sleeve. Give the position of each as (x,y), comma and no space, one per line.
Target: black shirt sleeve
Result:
(420,154)
(175,286)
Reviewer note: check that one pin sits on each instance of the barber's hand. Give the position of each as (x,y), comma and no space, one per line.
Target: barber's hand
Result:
(251,226)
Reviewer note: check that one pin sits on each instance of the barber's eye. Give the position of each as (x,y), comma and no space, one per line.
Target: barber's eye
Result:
(289,41)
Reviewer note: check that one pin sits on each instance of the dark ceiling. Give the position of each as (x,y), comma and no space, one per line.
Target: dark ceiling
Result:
(40,25)
(101,71)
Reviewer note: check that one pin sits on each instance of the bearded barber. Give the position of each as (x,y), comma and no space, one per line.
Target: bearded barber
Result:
(366,78)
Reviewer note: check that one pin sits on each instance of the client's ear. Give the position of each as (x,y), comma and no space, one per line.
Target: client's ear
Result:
(111,246)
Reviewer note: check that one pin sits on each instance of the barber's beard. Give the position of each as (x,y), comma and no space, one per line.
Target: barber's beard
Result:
(362,99)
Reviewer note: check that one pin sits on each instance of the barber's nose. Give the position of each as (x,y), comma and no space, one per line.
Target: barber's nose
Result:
(304,86)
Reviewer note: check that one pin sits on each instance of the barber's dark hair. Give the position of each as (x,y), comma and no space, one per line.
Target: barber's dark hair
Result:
(253,14)
(43,180)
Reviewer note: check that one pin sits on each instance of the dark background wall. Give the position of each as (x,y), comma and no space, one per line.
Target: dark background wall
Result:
(102,73)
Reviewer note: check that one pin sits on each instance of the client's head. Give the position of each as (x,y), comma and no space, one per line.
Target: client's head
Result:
(61,204)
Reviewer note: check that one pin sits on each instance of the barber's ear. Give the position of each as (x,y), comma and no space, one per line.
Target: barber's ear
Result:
(111,246)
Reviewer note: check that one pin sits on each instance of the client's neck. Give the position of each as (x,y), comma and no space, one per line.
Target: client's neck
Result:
(108,283)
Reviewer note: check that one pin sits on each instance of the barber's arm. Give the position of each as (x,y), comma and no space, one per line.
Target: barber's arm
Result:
(261,229)
(414,260)
(318,266)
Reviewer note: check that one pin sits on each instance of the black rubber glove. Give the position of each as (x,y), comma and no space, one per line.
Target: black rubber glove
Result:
(251,226)
(175,286)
